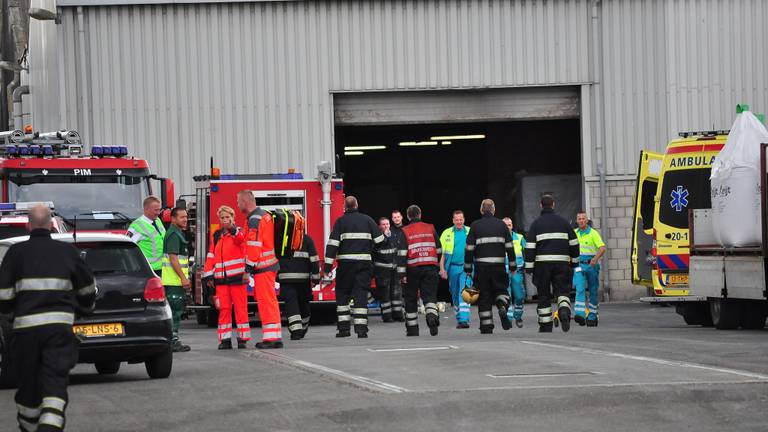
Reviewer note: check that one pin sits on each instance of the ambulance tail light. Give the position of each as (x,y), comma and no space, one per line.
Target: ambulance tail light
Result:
(653,249)
(153,291)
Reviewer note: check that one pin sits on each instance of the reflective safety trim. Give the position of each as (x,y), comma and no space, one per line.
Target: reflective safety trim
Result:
(359,321)
(487,240)
(342,308)
(486,321)
(397,302)
(244,326)
(328,260)
(208,274)
(530,245)
(387,304)
(271,326)
(379,239)
(225,326)
(254,243)
(250,263)
(553,258)
(384,265)
(210,255)
(332,242)
(470,247)
(564,299)
(314,258)
(422,259)
(28,412)
(44,318)
(43,284)
(504,298)
(295,327)
(494,260)
(509,245)
(402,252)
(315,276)
(52,419)
(271,336)
(544,311)
(412,316)
(268,253)
(360,311)
(573,242)
(27,426)
(552,236)
(355,257)
(575,260)
(545,319)
(528,264)
(7,294)
(411,323)
(355,236)
(235,272)
(344,318)
(231,262)
(592,306)
(282,276)
(387,251)
(421,245)
(485,314)
(401,269)
(430,306)
(227,334)
(301,254)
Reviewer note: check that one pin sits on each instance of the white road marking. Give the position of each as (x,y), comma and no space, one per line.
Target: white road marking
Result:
(360,381)
(436,348)
(682,364)
(605,385)
(544,375)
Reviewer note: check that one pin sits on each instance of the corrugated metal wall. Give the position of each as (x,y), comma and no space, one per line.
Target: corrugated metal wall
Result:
(251,83)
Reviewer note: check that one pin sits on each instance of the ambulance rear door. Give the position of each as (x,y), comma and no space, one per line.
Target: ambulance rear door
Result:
(648,174)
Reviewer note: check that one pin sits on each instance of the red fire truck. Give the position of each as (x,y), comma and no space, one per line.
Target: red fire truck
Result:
(320,200)
(99,190)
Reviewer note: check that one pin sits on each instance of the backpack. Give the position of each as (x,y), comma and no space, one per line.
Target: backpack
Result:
(289,232)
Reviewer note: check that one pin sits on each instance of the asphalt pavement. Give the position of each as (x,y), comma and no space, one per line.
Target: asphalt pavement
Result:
(642,369)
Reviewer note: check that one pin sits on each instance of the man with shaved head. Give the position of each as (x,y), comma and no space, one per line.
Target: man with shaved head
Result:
(43,283)
(352,241)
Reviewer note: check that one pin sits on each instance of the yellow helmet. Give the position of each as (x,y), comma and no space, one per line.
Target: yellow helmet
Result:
(470,295)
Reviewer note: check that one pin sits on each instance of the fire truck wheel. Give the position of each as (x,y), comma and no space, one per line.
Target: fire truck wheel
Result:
(201,317)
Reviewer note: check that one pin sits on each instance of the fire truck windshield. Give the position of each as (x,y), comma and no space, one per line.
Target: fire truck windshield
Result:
(74,196)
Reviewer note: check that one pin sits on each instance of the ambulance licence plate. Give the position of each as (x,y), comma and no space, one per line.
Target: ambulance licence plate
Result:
(678,279)
(99,330)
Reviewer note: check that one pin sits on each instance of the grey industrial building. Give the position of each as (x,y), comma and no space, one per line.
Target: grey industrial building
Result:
(560,95)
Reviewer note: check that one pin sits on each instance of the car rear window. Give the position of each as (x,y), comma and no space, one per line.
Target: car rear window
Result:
(114,257)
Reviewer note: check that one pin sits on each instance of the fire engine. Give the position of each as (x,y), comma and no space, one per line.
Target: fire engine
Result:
(15,216)
(320,200)
(98,190)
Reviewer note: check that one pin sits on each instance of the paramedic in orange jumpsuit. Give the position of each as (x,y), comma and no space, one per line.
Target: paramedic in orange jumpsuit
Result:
(262,264)
(225,267)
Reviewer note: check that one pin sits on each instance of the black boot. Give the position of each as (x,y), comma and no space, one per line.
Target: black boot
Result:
(362,335)
(241,343)
(412,330)
(269,345)
(506,324)
(296,335)
(433,322)
(565,318)
(462,325)
(226,344)
(592,323)
(486,329)
(580,320)
(177,346)
(343,333)
(545,328)
(387,318)
(519,323)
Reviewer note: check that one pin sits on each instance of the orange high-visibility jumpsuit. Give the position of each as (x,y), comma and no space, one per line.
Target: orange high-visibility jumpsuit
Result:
(261,262)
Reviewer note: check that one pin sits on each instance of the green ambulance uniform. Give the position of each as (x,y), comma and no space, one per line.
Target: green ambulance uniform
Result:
(175,243)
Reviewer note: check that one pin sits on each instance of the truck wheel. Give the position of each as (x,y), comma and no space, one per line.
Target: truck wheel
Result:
(212,318)
(160,365)
(695,314)
(7,377)
(107,368)
(725,314)
(201,317)
(753,315)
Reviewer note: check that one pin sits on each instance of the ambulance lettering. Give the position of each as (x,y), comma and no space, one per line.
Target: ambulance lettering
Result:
(691,161)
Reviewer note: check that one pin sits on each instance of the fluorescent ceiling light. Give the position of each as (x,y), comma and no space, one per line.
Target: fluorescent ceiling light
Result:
(457,137)
(418,143)
(375,147)
(353,153)
(446,143)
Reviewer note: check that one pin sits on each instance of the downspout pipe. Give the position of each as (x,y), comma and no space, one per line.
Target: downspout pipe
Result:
(9,91)
(600,150)
(18,111)
(83,75)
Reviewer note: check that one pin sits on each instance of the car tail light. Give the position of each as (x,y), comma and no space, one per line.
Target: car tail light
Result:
(153,291)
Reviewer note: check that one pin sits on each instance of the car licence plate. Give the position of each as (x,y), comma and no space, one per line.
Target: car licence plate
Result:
(678,279)
(98,330)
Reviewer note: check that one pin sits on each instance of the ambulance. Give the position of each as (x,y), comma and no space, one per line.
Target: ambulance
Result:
(668,186)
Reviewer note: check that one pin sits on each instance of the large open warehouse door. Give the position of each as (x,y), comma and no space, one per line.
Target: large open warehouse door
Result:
(446,150)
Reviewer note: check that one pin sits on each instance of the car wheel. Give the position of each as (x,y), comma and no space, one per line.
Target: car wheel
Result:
(7,377)
(160,365)
(725,314)
(107,368)
(753,316)
(212,318)
(201,317)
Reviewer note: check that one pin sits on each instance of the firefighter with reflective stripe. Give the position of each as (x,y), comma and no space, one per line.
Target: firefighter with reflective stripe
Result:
(586,277)
(353,239)
(490,251)
(516,285)
(175,275)
(262,264)
(43,284)
(225,271)
(388,289)
(551,250)
(296,276)
(421,250)
(454,241)
(398,238)
(148,232)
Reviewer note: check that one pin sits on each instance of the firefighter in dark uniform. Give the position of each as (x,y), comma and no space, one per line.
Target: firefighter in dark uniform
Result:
(551,251)
(421,250)
(398,238)
(296,276)
(44,283)
(489,248)
(388,289)
(352,241)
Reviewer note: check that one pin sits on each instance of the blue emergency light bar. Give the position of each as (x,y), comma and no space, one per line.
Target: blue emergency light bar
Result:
(23,206)
(109,151)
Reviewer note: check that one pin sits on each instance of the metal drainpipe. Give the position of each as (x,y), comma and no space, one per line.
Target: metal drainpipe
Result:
(601,154)
(9,91)
(18,110)
(83,75)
